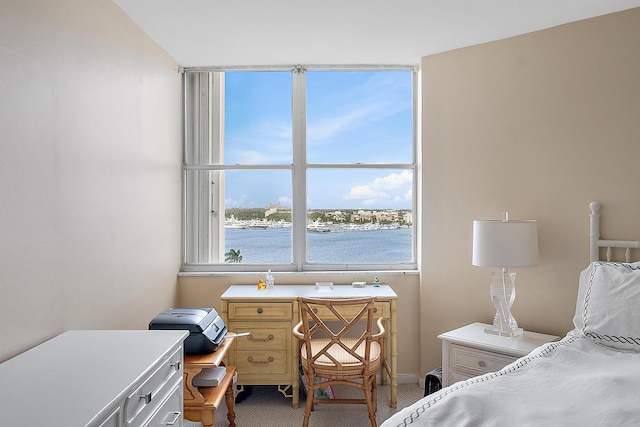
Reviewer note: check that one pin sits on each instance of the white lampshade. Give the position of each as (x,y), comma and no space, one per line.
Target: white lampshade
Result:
(505,244)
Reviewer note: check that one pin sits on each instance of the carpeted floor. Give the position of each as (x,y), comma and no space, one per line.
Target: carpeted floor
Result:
(265,406)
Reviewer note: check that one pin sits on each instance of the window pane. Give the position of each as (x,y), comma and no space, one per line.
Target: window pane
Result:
(359,116)
(258,117)
(258,216)
(365,218)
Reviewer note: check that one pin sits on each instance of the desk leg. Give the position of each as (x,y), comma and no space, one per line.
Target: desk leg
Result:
(230,401)
(394,355)
(295,359)
(385,371)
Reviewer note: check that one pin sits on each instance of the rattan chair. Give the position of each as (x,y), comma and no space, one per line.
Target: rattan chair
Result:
(335,350)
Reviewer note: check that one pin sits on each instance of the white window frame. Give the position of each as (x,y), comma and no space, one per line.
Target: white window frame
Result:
(208,85)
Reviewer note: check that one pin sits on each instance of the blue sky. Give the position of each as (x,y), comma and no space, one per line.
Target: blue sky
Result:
(351,117)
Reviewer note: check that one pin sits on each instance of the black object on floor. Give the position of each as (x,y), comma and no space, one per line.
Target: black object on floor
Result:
(433,381)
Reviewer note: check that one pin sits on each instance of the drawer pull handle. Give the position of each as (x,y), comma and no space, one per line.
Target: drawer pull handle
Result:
(270,337)
(176,416)
(263,362)
(176,365)
(259,310)
(147,398)
(482,364)
(375,309)
(315,310)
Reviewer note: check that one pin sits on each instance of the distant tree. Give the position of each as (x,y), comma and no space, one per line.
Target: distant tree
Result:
(245,214)
(280,216)
(233,255)
(314,216)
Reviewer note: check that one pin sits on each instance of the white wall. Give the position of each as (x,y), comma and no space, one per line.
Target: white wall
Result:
(89,171)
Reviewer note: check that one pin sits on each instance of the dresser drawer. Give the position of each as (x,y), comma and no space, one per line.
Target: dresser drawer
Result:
(112,420)
(148,395)
(477,361)
(168,414)
(255,311)
(264,335)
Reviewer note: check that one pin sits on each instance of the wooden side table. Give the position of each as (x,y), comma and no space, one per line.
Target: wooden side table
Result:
(200,403)
(469,351)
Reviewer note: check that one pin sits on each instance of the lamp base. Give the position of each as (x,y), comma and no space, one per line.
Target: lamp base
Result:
(508,333)
(503,293)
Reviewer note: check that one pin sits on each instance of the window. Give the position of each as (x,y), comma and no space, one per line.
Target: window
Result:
(299,169)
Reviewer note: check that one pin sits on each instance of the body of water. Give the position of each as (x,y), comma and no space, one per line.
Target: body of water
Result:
(273,245)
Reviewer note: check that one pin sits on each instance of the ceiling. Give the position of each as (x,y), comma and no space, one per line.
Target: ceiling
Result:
(331,32)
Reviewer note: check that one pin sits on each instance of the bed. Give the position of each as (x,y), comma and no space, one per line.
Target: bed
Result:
(591,377)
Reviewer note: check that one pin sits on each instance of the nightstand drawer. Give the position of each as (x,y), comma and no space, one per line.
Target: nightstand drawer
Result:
(477,361)
(256,311)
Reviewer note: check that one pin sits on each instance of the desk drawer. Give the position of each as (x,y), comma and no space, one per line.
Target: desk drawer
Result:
(256,311)
(381,309)
(264,335)
(477,361)
(148,395)
(255,363)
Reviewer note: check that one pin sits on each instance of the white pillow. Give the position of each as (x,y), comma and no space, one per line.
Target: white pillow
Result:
(608,307)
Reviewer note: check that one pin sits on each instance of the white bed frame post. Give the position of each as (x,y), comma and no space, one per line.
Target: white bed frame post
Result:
(594,235)
(595,243)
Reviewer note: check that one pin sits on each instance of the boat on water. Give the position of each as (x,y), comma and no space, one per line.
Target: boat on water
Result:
(318,227)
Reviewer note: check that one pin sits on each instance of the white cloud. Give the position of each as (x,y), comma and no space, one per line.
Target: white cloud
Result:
(285,201)
(394,180)
(236,203)
(269,142)
(374,100)
(365,192)
(383,190)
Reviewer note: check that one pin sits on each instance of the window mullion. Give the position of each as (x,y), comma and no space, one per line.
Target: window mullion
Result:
(216,178)
(299,189)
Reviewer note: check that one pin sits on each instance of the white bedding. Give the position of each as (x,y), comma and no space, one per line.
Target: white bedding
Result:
(572,382)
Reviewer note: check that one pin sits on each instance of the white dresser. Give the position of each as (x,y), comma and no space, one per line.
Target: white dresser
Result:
(96,379)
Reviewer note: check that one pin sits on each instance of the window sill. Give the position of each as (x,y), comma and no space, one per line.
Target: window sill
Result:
(385,273)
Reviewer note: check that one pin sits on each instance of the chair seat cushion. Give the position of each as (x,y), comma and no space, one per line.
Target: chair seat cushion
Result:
(350,364)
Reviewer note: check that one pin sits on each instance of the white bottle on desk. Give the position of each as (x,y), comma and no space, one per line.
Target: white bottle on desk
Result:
(269,280)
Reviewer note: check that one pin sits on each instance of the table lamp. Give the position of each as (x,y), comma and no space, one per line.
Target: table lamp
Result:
(504,244)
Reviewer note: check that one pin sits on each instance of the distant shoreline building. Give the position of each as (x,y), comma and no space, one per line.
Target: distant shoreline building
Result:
(276,208)
(387,215)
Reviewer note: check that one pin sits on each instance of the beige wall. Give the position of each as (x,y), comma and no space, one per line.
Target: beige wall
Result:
(89,171)
(538,125)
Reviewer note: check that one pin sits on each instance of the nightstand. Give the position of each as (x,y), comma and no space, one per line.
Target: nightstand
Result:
(469,351)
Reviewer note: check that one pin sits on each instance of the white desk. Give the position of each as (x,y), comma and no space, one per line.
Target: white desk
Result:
(269,356)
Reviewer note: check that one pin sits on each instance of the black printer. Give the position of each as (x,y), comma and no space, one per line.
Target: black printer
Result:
(206,328)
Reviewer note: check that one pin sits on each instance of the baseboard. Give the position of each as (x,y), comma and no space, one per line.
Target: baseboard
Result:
(405,379)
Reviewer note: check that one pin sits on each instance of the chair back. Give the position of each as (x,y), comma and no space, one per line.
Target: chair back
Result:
(330,340)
